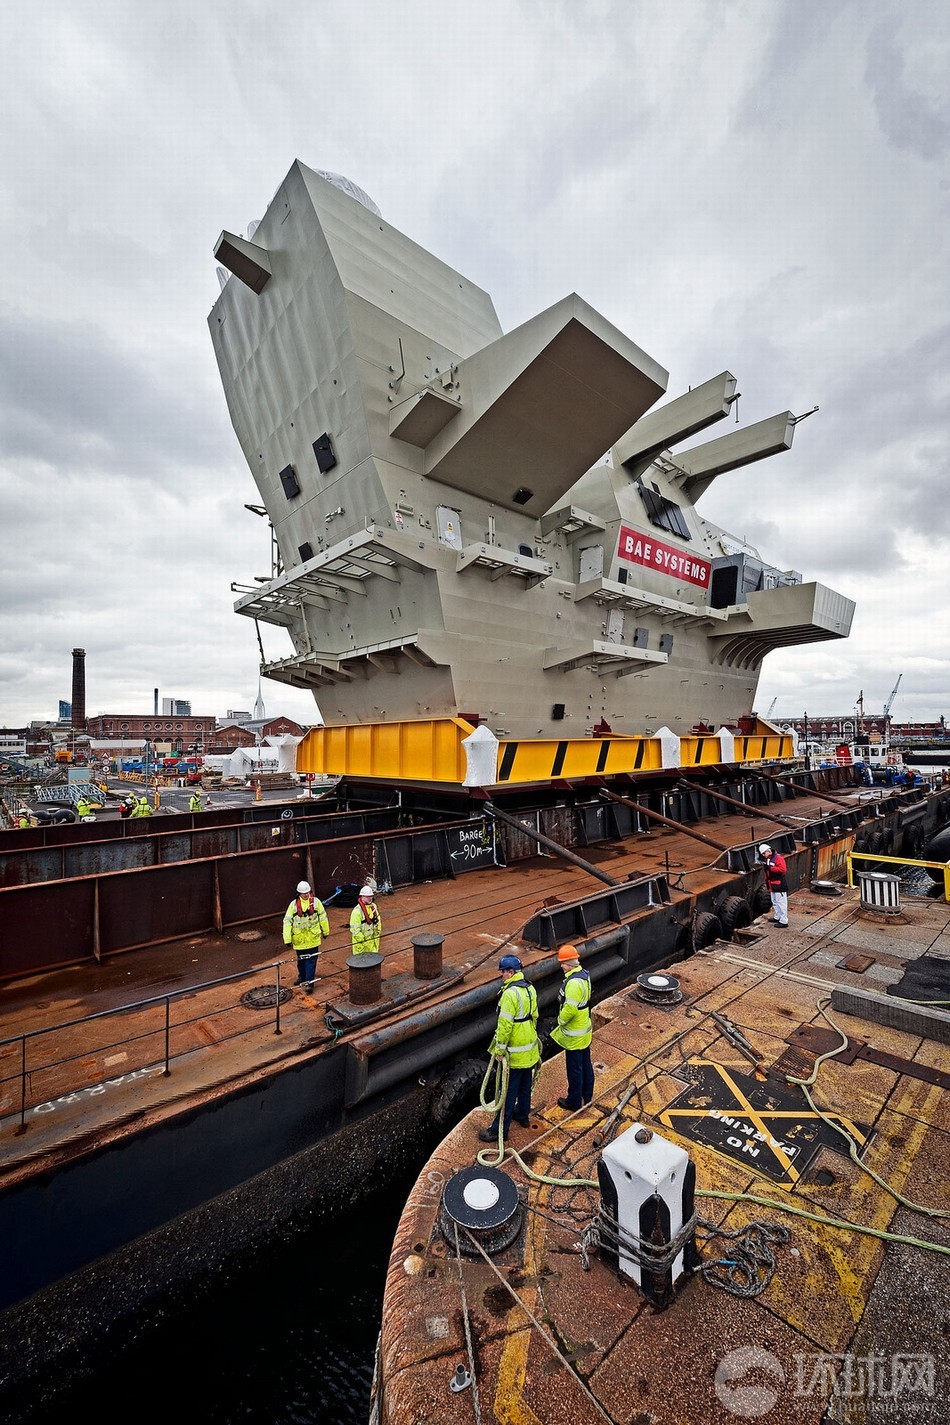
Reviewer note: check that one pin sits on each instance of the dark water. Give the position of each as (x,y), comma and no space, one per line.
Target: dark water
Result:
(284,1335)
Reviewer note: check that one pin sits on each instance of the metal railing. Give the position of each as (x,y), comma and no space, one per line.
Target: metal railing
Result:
(27,1072)
(878,859)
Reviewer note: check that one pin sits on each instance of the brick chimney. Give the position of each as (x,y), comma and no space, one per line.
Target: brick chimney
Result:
(79,690)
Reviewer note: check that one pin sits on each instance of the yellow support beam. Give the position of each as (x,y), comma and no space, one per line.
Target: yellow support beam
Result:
(430,750)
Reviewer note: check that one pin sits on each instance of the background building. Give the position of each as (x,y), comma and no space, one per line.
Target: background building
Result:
(181,733)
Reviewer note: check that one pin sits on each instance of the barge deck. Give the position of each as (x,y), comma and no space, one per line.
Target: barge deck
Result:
(841,1316)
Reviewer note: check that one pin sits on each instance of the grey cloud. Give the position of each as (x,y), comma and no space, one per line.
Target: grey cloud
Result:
(74,399)
(910,119)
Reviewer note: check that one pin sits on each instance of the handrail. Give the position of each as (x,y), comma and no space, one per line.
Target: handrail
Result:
(21,1039)
(876,856)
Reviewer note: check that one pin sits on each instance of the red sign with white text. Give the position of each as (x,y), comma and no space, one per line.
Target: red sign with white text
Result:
(654,554)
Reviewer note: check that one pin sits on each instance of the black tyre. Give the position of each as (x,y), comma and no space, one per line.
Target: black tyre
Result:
(735,913)
(457,1092)
(705,930)
(875,842)
(761,901)
(937,849)
(546,1023)
(913,840)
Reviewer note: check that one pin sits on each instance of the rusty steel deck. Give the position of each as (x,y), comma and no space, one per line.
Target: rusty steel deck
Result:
(851,1326)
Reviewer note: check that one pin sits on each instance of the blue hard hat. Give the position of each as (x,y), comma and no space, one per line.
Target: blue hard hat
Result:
(509,962)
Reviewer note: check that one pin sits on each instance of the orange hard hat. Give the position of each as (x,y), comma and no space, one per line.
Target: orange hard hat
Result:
(568,952)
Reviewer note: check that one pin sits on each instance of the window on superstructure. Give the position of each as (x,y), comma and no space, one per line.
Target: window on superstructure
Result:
(665,514)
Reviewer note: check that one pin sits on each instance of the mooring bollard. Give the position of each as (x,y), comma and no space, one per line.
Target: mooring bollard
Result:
(880,892)
(427,956)
(365,978)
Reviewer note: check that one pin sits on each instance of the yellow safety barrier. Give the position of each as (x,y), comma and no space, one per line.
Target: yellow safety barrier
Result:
(876,856)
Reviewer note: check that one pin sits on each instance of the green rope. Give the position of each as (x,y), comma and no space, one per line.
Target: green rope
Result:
(820,1217)
(805,1086)
(495,1105)
(336,1030)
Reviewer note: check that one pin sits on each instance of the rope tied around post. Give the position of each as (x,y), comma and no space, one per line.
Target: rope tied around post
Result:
(652,1256)
(746,1272)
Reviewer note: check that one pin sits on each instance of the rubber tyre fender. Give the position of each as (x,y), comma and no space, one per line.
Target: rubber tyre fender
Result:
(875,841)
(912,840)
(457,1092)
(887,840)
(705,930)
(735,913)
(547,1022)
(937,849)
(761,901)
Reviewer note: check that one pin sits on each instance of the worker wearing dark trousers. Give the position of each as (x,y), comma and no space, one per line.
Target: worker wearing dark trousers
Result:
(573,1031)
(516,1038)
(305,924)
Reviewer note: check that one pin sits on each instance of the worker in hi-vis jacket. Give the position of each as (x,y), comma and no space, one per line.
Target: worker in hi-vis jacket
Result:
(516,1039)
(573,1031)
(305,924)
(365,924)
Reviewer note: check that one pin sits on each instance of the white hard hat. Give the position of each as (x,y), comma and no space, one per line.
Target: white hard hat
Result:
(764,849)
(303,889)
(366,894)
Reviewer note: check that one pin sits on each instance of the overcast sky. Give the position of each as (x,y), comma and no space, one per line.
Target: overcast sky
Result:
(760,187)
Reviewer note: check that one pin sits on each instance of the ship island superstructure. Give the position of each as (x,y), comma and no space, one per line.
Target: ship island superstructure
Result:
(449,539)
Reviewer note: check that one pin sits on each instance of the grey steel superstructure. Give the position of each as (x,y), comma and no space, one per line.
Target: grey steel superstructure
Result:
(449,537)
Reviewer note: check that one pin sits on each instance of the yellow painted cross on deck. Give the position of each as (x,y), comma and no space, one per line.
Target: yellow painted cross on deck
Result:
(767,1127)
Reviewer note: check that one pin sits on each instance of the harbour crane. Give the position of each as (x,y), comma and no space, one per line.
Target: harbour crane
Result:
(888,705)
(772,706)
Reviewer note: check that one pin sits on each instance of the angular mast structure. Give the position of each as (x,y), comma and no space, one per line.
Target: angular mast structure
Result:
(451,540)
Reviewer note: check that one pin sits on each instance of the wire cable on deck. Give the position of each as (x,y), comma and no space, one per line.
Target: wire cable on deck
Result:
(541,1331)
(468,1331)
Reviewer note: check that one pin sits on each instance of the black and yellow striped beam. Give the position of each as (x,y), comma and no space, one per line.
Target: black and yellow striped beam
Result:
(431,750)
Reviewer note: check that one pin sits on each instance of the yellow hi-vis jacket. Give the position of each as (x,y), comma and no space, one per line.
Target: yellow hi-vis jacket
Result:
(305,923)
(365,929)
(195,803)
(83,808)
(516,1033)
(573,1029)
(141,808)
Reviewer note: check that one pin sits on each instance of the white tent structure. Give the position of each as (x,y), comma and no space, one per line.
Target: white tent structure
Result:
(276,754)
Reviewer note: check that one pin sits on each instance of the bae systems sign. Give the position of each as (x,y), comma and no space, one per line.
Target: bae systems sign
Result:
(641,549)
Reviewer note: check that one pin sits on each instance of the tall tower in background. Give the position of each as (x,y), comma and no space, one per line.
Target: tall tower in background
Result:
(79,690)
